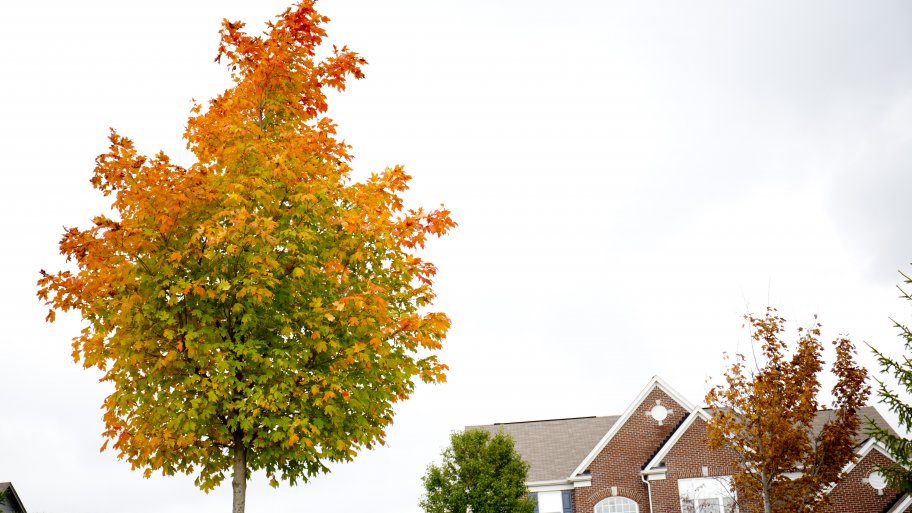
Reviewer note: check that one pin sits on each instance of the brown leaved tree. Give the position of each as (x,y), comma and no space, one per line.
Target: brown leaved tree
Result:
(766,413)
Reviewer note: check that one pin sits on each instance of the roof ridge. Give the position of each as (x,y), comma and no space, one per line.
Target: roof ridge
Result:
(551,420)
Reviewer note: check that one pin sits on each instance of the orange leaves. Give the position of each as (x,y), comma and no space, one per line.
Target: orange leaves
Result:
(259,297)
(768,416)
(334,70)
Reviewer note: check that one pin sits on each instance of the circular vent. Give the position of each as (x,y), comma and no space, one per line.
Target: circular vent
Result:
(877,481)
(659,412)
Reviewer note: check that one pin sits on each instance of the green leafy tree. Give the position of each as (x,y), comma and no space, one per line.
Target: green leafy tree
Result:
(479,471)
(257,310)
(900,473)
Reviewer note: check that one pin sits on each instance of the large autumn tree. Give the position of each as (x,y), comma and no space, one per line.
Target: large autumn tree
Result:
(257,310)
(766,413)
(900,369)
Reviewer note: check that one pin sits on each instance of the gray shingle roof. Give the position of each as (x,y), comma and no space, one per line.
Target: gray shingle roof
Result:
(553,448)
(865,412)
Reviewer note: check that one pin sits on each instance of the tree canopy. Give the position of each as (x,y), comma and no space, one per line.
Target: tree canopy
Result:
(478,471)
(257,309)
(766,414)
(900,473)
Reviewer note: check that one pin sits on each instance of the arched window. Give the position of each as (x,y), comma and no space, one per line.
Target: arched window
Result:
(617,505)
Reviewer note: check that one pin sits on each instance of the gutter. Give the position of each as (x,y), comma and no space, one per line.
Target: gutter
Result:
(648,489)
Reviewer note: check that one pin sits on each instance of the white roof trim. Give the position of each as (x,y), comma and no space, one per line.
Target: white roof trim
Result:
(550,482)
(902,505)
(653,383)
(696,413)
(863,451)
(544,486)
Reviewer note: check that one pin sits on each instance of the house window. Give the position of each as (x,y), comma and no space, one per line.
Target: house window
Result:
(617,505)
(707,495)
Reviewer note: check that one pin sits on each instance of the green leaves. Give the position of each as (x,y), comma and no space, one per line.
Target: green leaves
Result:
(259,291)
(478,470)
(900,369)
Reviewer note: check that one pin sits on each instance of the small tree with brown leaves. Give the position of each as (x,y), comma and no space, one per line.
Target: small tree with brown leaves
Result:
(766,415)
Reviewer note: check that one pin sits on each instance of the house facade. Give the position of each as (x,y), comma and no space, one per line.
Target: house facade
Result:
(654,458)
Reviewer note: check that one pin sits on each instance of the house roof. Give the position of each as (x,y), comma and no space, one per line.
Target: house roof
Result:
(865,412)
(553,448)
(12,498)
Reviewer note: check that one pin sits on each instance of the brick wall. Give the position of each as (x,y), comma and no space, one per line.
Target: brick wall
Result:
(691,453)
(686,459)
(852,495)
(620,462)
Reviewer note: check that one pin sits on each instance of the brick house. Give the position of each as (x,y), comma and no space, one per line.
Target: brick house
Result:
(654,458)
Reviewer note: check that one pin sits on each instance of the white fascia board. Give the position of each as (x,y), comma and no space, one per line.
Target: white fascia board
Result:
(902,505)
(653,383)
(882,449)
(549,486)
(581,481)
(680,399)
(866,447)
(696,413)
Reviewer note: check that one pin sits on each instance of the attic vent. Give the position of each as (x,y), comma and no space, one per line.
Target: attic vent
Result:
(877,482)
(658,412)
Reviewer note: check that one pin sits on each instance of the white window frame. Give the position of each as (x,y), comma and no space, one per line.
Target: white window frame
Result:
(712,490)
(616,504)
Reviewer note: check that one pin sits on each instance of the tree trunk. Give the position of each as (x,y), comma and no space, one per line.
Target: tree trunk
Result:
(239,480)
(767,500)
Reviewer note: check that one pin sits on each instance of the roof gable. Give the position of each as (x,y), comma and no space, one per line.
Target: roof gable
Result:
(655,382)
(869,445)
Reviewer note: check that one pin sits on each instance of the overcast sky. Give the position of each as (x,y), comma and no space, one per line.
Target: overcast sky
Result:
(629,178)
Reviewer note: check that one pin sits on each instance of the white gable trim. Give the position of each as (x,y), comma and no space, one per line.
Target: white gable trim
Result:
(902,505)
(696,413)
(863,451)
(655,382)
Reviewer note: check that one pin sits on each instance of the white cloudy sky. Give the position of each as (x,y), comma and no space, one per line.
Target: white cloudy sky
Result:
(629,177)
